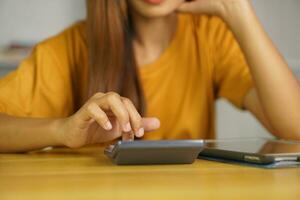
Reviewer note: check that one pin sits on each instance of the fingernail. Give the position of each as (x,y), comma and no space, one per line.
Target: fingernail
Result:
(140,132)
(156,123)
(108,126)
(128,137)
(127,127)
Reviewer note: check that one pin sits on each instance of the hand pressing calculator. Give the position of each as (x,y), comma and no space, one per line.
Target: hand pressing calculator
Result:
(154,152)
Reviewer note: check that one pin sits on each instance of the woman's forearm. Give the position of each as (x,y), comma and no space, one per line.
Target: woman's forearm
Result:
(277,87)
(24,134)
(89,125)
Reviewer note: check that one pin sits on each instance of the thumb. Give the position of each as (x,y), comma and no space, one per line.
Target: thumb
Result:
(150,123)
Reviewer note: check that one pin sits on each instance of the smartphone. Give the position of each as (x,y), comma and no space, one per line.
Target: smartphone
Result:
(144,152)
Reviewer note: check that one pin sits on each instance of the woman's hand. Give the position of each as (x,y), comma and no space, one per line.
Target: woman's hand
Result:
(103,118)
(228,10)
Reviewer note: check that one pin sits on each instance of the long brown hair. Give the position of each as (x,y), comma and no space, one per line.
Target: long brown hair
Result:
(112,66)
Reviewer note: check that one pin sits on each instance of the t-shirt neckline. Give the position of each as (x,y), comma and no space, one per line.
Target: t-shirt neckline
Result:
(167,54)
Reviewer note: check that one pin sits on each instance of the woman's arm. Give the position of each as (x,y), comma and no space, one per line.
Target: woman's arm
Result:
(275,101)
(276,87)
(24,134)
(103,118)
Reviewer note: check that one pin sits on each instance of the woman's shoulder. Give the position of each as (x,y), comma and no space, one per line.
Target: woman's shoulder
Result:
(70,38)
(64,53)
(74,33)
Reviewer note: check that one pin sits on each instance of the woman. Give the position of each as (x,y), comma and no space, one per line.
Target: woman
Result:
(93,82)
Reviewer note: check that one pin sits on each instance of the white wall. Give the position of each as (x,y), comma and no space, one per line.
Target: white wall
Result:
(35,20)
(282,20)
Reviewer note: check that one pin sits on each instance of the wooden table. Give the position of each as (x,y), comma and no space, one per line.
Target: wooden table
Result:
(88,174)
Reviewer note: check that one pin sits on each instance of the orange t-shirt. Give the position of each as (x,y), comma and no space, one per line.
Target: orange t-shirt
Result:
(203,62)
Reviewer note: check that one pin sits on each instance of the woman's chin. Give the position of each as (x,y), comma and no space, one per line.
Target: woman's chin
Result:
(157,13)
(156,9)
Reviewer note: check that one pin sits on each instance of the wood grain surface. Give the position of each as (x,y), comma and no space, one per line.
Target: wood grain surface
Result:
(88,174)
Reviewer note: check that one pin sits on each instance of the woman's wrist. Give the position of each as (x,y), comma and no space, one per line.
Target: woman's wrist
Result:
(235,13)
(240,16)
(57,130)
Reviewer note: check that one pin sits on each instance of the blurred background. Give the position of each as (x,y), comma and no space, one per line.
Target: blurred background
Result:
(24,23)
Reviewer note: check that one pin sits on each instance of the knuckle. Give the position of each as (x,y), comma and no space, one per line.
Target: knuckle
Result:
(113,95)
(97,95)
(90,107)
(97,115)
(127,101)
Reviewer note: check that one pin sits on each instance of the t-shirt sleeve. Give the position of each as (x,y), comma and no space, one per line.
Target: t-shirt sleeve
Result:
(232,78)
(38,88)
